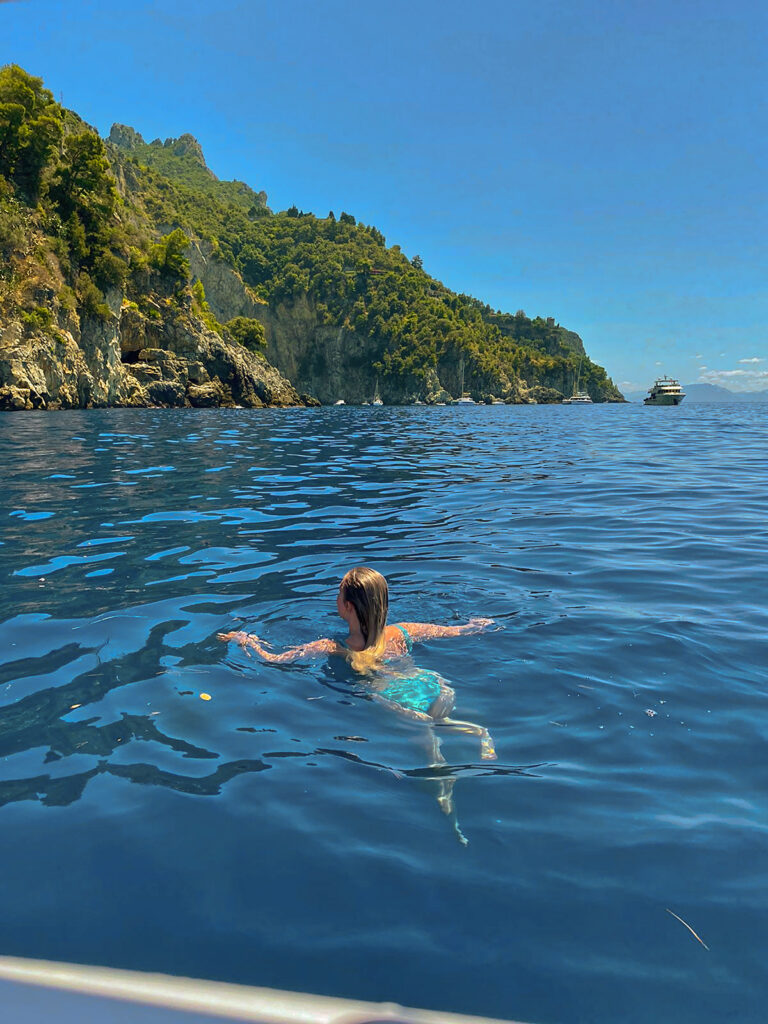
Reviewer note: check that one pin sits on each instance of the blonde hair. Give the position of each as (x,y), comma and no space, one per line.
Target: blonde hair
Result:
(367,591)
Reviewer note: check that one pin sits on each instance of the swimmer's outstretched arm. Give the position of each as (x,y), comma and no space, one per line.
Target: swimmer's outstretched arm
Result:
(315,649)
(427,630)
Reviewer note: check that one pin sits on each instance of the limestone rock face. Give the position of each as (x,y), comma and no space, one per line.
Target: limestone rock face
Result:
(187,145)
(165,356)
(179,361)
(51,369)
(124,137)
(207,396)
(330,362)
(434,392)
(337,363)
(225,291)
(545,396)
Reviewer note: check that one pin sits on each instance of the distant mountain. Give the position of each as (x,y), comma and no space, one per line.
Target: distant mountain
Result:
(700,394)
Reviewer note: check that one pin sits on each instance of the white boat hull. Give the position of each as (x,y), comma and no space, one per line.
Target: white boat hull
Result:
(43,990)
(663,400)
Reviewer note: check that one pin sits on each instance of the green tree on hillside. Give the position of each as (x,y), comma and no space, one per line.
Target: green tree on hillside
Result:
(169,257)
(84,182)
(247,332)
(30,129)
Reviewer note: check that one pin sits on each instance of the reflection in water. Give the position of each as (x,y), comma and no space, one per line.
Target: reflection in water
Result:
(58,792)
(36,719)
(440,776)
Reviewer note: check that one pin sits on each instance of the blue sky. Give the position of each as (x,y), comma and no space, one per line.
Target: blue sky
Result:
(599,161)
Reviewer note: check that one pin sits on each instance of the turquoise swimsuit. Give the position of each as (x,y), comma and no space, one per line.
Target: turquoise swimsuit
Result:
(415,692)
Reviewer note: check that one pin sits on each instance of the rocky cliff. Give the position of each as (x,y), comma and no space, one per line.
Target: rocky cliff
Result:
(336,363)
(161,355)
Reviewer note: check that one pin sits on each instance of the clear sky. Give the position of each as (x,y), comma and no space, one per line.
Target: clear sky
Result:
(599,161)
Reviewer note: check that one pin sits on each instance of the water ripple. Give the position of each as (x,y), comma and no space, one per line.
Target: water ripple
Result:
(255,835)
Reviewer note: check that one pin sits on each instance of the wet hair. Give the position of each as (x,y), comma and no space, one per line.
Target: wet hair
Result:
(367,591)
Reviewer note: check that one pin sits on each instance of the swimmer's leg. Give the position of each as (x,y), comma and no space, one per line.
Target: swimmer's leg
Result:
(443,703)
(445,787)
(433,748)
(487,749)
(412,713)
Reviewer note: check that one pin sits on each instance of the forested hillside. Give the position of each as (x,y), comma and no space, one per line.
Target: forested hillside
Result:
(130,245)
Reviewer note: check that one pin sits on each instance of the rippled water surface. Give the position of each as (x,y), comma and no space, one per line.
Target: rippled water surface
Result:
(286,832)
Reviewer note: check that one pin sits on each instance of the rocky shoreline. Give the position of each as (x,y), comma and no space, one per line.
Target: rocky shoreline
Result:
(161,356)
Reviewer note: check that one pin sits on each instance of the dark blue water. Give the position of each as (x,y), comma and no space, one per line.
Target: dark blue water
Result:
(286,832)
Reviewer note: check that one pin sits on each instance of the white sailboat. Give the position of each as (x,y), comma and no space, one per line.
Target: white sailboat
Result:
(463,399)
(578,397)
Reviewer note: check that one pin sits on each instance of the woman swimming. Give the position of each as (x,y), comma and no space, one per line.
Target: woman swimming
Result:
(377,652)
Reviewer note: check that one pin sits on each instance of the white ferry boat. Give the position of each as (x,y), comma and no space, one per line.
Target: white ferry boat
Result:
(665,391)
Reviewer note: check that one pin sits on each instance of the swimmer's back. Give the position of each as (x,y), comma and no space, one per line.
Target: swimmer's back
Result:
(398,641)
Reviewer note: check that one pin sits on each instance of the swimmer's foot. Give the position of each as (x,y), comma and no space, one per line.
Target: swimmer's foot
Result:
(487,749)
(445,800)
(460,835)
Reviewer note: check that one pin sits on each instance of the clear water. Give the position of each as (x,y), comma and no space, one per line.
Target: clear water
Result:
(286,832)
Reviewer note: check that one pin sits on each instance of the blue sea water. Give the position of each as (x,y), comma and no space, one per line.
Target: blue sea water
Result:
(286,832)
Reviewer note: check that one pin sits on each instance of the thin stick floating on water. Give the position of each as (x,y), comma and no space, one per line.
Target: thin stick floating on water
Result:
(693,933)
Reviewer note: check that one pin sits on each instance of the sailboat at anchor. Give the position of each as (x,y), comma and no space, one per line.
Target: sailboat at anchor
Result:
(464,398)
(578,397)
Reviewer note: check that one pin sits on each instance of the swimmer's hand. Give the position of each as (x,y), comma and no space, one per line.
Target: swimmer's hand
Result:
(232,635)
(243,639)
(479,623)
(246,640)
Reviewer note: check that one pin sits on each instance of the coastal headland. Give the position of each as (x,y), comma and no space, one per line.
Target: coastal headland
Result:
(130,275)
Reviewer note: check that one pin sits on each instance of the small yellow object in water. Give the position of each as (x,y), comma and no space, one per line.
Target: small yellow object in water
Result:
(73,706)
(205,696)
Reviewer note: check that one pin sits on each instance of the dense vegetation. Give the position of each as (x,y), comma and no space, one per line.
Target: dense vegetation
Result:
(120,215)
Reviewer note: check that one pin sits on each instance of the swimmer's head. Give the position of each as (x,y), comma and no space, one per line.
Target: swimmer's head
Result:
(367,592)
